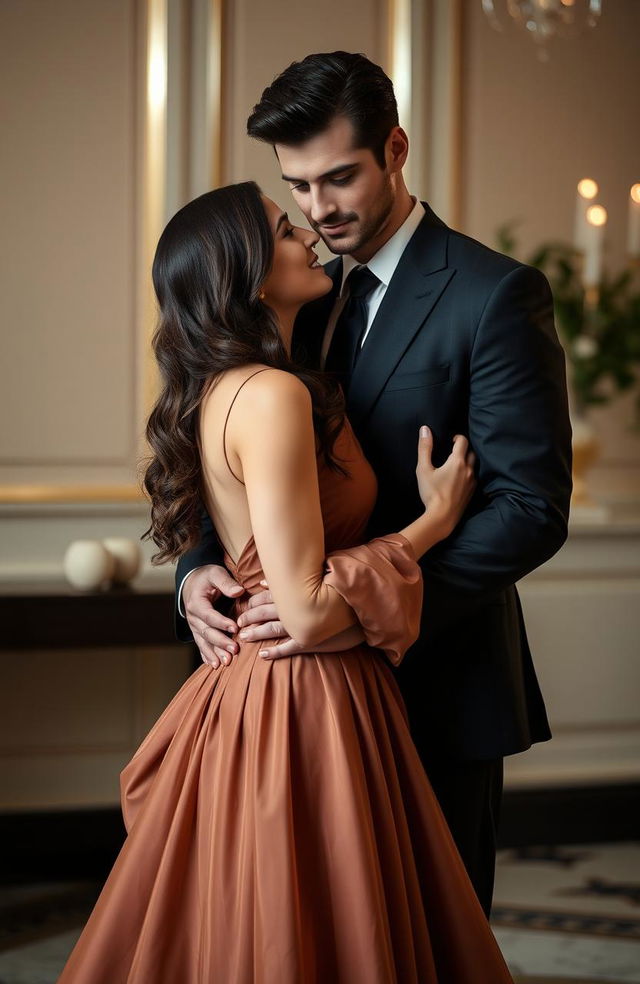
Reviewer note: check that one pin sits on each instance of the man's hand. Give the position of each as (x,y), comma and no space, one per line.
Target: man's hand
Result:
(200,592)
(260,621)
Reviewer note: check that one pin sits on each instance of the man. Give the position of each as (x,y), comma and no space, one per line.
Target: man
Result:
(431,327)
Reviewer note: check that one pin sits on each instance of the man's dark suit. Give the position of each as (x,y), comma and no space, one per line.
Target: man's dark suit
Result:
(464,341)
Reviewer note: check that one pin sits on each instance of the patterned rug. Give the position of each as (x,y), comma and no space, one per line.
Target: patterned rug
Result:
(560,980)
(570,911)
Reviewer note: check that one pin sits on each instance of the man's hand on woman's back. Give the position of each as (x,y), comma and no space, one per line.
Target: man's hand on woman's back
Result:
(211,629)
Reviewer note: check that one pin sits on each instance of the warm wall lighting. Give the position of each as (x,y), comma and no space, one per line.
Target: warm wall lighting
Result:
(157,66)
(153,200)
(400,57)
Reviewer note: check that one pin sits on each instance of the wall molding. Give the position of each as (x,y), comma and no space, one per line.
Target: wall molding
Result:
(29,494)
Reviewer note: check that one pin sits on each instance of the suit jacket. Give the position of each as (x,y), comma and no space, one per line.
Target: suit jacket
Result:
(464,341)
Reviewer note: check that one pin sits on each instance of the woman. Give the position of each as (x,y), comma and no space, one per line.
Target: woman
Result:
(281,828)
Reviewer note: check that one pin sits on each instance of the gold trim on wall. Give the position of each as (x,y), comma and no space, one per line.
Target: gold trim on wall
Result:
(445,132)
(399,56)
(216,81)
(456,137)
(424,59)
(206,96)
(153,180)
(39,494)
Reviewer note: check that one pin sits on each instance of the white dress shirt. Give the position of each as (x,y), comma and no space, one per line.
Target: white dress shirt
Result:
(383,264)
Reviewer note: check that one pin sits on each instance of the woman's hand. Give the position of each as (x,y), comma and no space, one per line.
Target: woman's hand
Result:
(446,491)
(261,618)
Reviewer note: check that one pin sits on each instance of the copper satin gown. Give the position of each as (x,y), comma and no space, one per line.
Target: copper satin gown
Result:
(281,828)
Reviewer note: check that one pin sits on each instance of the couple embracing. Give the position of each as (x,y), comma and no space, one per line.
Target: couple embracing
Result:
(319,802)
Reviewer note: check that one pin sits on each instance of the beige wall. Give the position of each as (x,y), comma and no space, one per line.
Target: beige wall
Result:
(532,129)
(68,376)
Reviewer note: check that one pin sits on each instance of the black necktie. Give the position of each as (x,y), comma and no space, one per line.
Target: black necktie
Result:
(350,326)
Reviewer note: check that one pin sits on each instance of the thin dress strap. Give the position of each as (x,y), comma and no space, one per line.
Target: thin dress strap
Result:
(224,432)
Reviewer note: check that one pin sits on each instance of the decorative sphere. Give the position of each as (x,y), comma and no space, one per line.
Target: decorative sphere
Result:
(87,564)
(126,555)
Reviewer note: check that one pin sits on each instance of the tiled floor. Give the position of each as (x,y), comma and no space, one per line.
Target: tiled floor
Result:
(560,914)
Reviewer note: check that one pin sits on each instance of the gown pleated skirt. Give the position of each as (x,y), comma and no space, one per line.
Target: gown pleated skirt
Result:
(282,830)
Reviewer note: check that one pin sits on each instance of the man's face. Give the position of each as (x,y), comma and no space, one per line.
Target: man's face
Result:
(344,193)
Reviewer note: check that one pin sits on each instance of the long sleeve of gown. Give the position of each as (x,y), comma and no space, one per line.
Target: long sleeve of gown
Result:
(382,582)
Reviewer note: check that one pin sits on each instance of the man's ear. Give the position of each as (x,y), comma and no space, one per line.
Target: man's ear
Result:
(396,149)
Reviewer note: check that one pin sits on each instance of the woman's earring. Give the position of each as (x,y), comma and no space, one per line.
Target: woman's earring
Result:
(262,295)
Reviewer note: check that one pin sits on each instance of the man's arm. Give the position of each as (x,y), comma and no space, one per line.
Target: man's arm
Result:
(210,590)
(208,551)
(520,431)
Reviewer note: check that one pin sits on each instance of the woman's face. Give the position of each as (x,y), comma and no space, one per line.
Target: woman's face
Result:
(296,275)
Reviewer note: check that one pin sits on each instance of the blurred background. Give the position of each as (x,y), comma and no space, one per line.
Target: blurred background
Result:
(524,132)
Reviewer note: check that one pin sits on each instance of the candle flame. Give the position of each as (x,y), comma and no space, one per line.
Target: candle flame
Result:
(635,193)
(596,215)
(587,188)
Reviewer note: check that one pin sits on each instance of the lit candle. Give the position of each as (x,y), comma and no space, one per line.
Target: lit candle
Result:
(596,221)
(634,222)
(587,191)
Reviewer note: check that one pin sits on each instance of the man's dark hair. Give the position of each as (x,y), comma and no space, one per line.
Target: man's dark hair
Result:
(308,95)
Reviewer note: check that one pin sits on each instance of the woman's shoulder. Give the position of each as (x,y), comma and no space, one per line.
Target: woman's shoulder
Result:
(260,388)
(270,379)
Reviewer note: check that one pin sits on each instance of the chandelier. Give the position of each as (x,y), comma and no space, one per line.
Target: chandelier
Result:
(544,19)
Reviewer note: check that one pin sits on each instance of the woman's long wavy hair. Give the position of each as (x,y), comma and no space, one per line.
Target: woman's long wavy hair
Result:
(208,270)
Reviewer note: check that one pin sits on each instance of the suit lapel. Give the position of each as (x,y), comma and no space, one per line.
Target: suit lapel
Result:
(419,279)
(311,323)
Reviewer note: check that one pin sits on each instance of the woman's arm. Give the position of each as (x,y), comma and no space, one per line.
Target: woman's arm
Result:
(351,637)
(271,432)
